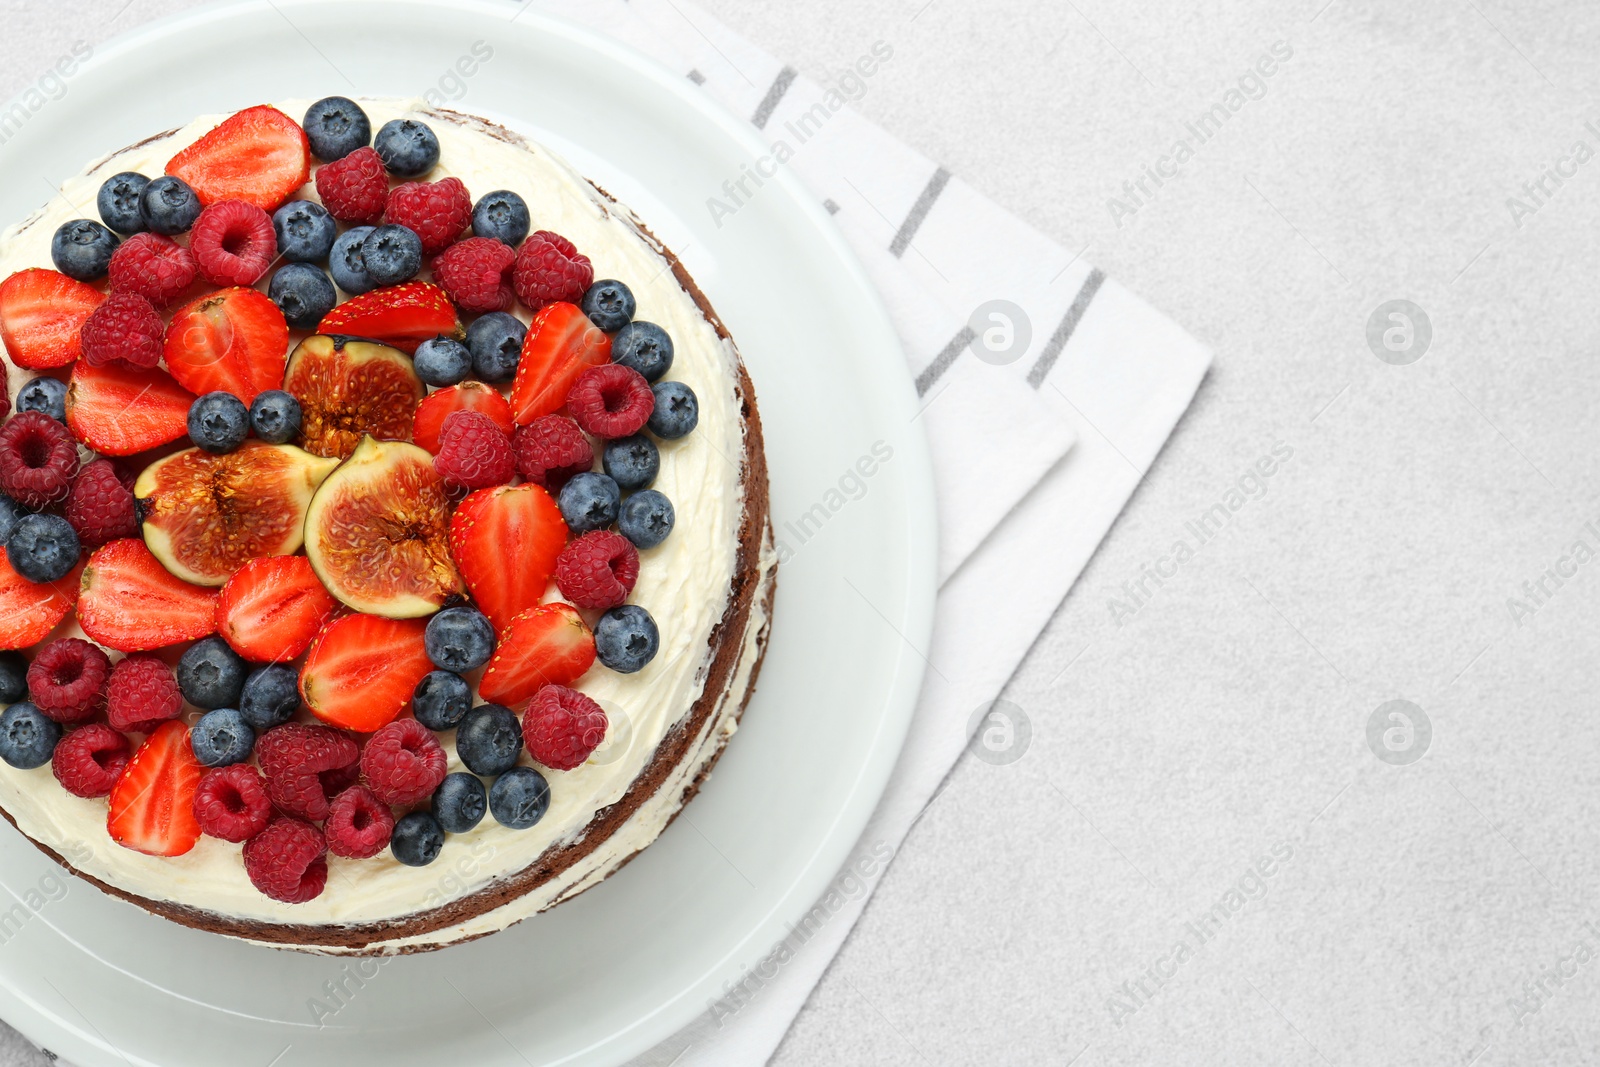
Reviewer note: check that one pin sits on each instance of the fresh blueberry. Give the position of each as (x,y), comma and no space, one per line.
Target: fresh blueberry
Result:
(345,261)
(305,231)
(408,148)
(118,202)
(218,422)
(169,206)
(626,638)
(646,518)
(13,677)
(45,394)
(211,674)
(589,502)
(27,738)
(459,639)
(303,293)
(441,700)
(489,739)
(609,304)
(442,361)
(275,416)
(519,798)
(645,347)
(221,738)
(501,215)
(495,341)
(82,249)
(459,802)
(392,254)
(336,126)
(676,413)
(11,513)
(270,696)
(633,462)
(417,839)
(43,548)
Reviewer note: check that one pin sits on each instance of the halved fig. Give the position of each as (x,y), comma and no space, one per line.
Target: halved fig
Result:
(205,516)
(378,532)
(348,389)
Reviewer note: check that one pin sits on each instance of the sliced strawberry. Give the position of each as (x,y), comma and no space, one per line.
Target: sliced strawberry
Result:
(118,410)
(152,804)
(28,612)
(41,314)
(259,155)
(362,669)
(235,340)
(494,526)
(129,602)
(561,344)
(442,403)
(401,315)
(549,645)
(272,607)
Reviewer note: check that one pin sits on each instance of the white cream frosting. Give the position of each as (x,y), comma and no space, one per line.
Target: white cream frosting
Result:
(684,583)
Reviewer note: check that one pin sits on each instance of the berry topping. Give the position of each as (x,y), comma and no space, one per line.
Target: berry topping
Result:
(550,269)
(489,739)
(119,410)
(303,293)
(259,155)
(13,677)
(444,361)
(460,802)
(27,737)
(272,607)
(354,189)
(441,699)
(233,341)
(38,459)
(391,255)
(502,216)
(609,304)
(359,824)
(222,738)
(48,395)
(154,267)
(152,804)
(275,416)
(271,696)
(626,638)
(403,762)
(362,670)
(495,341)
(305,765)
(597,570)
(42,313)
(474,453)
(437,212)
(561,344)
(125,328)
(169,206)
(305,231)
(67,680)
(336,126)
(403,316)
(437,406)
(100,508)
(550,450)
(131,603)
(507,522)
(211,675)
(233,242)
(231,803)
(562,726)
(408,148)
(345,263)
(589,501)
(28,610)
(546,645)
(118,202)
(646,518)
(459,639)
(82,249)
(519,798)
(477,274)
(43,548)
(645,347)
(417,839)
(677,411)
(218,422)
(11,513)
(632,462)
(89,760)
(288,861)
(141,694)
(611,401)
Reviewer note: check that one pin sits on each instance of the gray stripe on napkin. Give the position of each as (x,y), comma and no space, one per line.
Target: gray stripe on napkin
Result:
(769,103)
(919,211)
(1069,322)
(942,361)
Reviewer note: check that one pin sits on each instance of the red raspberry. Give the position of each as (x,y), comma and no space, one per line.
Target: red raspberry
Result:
(154,267)
(437,211)
(354,189)
(306,764)
(562,726)
(474,453)
(550,268)
(38,459)
(550,450)
(597,571)
(232,804)
(403,762)
(125,328)
(89,760)
(611,400)
(101,507)
(67,680)
(233,242)
(142,694)
(359,824)
(477,274)
(287,861)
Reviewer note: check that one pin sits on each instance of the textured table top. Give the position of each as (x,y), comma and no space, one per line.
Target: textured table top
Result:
(1222,847)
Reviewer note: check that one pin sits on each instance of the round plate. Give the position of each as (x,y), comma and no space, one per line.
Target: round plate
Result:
(607,975)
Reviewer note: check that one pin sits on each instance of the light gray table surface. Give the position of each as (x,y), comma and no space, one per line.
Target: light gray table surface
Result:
(1215,725)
